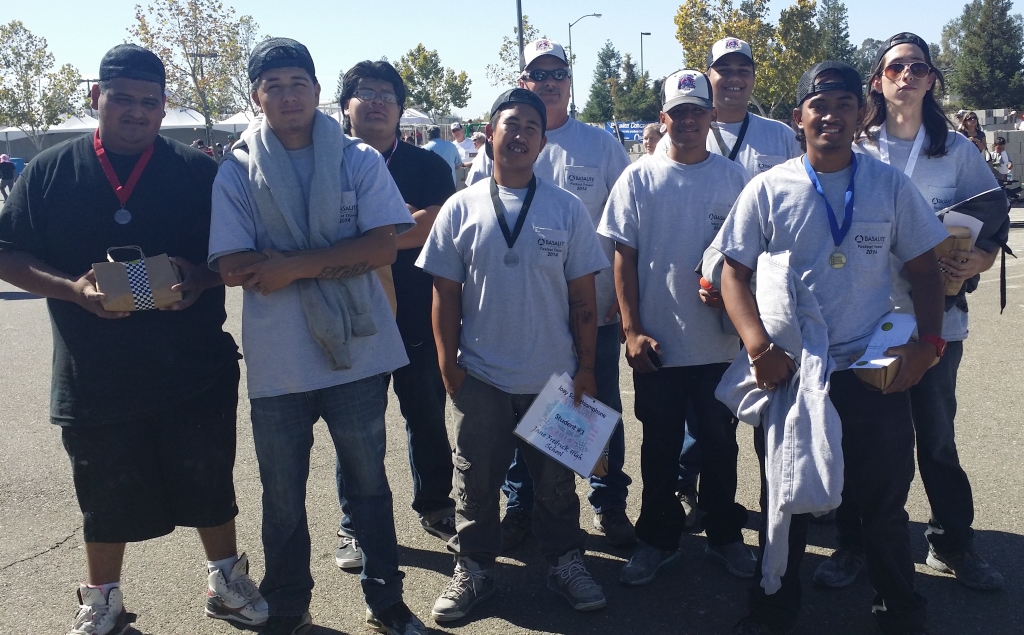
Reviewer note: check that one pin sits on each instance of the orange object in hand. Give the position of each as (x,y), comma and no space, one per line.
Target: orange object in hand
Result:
(707,286)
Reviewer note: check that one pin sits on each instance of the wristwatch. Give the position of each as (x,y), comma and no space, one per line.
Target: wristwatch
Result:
(937,342)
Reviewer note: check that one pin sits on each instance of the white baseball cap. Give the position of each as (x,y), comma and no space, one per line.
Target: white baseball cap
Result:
(456,126)
(686,87)
(728,45)
(541,47)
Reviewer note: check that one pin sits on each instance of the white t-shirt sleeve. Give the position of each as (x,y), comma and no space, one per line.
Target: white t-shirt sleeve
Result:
(918,229)
(742,236)
(585,254)
(380,202)
(480,169)
(618,160)
(232,227)
(440,255)
(620,220)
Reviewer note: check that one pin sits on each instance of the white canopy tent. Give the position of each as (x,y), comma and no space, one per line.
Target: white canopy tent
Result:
(235,123)
(178,118)
(413,117)
(84,123)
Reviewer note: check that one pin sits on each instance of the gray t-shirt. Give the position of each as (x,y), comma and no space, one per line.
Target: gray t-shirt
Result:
(944,181)
(766,144)
(586,161)
(515,320)
(670,212)
(781,211)
(281,356)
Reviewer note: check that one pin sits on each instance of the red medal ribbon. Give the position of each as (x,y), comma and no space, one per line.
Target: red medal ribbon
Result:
(123,192)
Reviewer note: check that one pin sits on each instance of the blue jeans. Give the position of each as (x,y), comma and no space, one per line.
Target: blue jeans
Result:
(421,397)
(690,457)
(608,492)
(282,429)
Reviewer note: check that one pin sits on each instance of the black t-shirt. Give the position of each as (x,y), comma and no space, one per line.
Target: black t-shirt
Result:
(424,179)
(6,171)
(62,211)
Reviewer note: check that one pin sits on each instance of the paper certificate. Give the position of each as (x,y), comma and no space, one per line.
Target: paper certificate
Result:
(575,437)
(894,329)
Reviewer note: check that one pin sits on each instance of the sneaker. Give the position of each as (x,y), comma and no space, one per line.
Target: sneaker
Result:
(443,529)
(752,626)
(688,499)
(569,578)
(839,570)
(396,619)
(98,615)
(645,564)
(615,526)
(235,598)
(348,555)
(738,559)
(287,624)
(514,527)
(469,586)
(970,569)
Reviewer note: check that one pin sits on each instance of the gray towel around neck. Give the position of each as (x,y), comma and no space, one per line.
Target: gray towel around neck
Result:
(336,309)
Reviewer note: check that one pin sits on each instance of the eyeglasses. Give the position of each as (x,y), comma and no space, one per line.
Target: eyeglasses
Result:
(366,94)
(538,75)
(919,70)
(972,118)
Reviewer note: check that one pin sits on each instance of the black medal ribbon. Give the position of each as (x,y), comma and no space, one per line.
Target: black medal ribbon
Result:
(739,139)
(499,212)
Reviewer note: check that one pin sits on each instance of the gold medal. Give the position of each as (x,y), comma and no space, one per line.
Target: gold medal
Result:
(837,260)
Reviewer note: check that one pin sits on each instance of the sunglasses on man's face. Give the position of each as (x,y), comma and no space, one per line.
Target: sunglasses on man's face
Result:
(971,119)
(919,70)
(538,75)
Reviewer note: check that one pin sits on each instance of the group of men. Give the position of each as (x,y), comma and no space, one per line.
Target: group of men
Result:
(361,265)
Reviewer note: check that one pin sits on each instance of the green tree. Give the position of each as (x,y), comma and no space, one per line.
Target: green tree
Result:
(987,69)
(197,41)
(795,48)
(431,86)
(864,56)
(634,98)
(505,73)
(33,96)
(953,32)
(242,41)
(599,103)
(834,29)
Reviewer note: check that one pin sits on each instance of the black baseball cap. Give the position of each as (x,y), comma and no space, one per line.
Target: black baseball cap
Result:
(904,38)
(132,62)
(279,52)
(515,96)
(850,81)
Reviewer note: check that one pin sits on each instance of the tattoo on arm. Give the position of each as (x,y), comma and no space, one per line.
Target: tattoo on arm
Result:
(579,315)
(345,271)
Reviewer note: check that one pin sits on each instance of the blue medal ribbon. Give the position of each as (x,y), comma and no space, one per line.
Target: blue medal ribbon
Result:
(838,233)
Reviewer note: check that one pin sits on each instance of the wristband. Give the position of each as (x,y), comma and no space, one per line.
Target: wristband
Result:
(936,341)
(771,345)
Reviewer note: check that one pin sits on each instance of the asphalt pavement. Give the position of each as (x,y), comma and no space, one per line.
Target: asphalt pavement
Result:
(42,557)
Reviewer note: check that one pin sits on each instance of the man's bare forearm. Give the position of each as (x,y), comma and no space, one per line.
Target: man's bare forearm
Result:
(926,293)
(227,264)
(583,319)
(350,258)
(27,272)
(446,318)
(627,287)
(741,306)
(417,236)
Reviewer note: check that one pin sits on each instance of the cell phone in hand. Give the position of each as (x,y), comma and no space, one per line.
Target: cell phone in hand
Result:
(655,358)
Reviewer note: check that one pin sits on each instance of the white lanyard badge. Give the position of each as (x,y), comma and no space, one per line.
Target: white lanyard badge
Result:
(883,148)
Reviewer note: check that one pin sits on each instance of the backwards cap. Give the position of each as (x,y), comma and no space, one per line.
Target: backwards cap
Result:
(280,52)
(132,62)
(809,86)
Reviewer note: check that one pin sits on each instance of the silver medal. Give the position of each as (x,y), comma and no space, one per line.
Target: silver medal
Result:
(122,216)
(511,259)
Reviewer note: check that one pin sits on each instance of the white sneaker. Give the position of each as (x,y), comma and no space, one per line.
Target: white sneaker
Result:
(99,616)
(236,598)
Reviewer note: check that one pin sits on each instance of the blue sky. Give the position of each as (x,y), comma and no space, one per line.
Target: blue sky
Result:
(465,34)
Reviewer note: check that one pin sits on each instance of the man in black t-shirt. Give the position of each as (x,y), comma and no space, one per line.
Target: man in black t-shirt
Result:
(7,176)
(145,399)
(373,96)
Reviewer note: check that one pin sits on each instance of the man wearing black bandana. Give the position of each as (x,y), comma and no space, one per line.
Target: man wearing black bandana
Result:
(145,400)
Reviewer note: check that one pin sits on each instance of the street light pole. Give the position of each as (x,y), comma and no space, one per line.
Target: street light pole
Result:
(572,83)
(642,34)
(519,11)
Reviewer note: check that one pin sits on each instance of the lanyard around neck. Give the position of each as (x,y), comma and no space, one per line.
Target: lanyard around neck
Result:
(123,192)
(883,148)
(499,211)
(391,154)
(739,139)
(838,233)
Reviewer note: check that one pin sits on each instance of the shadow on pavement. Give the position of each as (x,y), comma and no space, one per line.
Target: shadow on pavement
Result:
(19,295)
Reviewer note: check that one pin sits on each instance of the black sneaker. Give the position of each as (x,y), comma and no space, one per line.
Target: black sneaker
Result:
(970,569)
(396,619)
(443,529)
(688,499)
(839,570)
(615,526)
(287,624)
(514,527)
